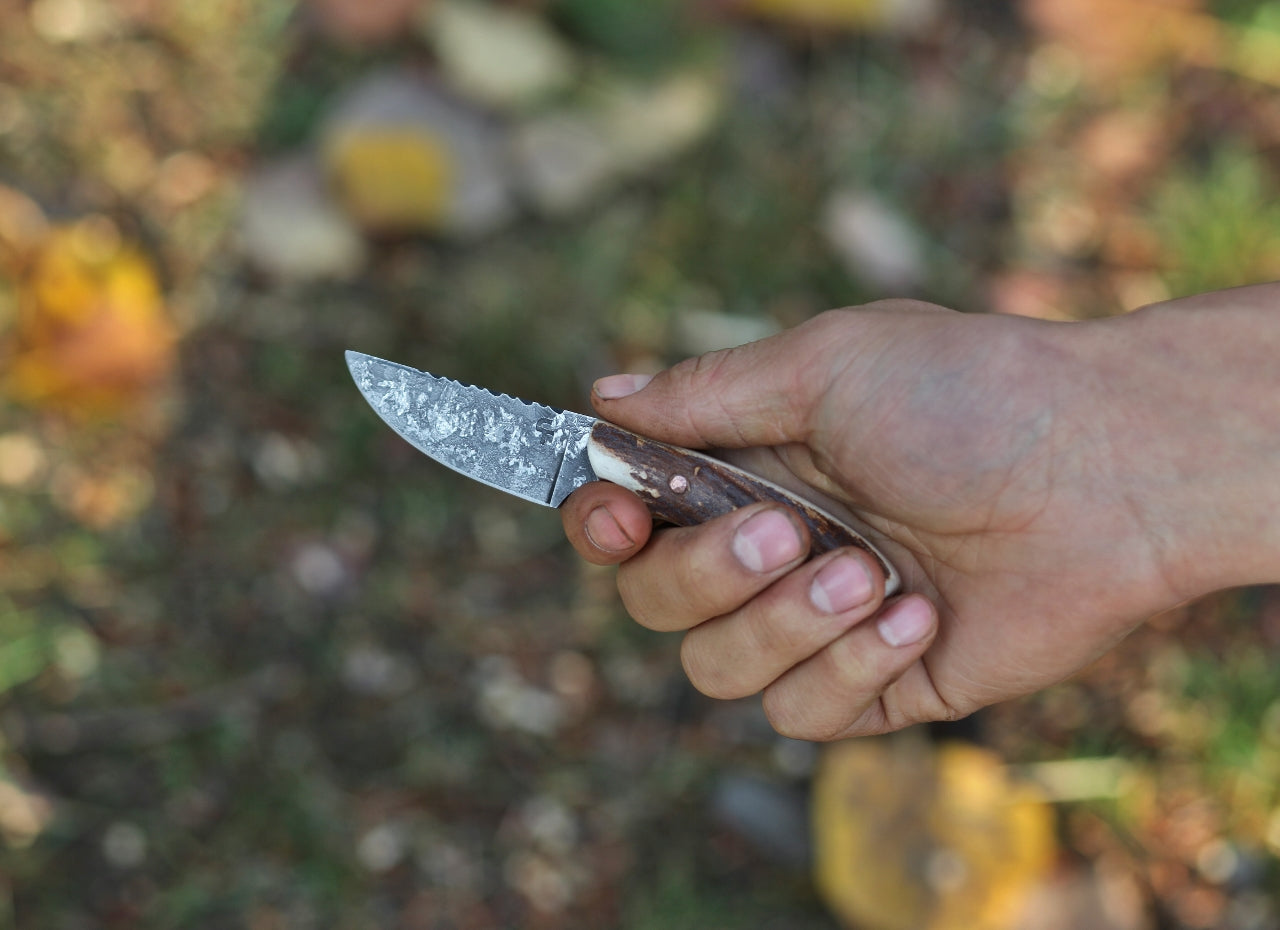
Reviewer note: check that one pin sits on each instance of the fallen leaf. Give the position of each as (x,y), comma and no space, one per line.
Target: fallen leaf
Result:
(405,157)
(563,160)
(291,229)
(648,124)
(875,242)
(92,336)
(393,176)
(912,836)
(500,56)
(1118,39)
(889,15)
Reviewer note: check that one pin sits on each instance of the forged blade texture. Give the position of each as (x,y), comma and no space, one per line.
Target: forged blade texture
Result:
(530,450)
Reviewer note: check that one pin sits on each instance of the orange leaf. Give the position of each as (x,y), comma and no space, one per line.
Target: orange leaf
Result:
(92,336)
(1117,39)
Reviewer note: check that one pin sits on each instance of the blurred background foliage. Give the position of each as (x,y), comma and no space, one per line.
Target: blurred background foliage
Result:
(261,665)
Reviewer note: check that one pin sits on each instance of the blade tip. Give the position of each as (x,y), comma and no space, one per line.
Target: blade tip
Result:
(357,362)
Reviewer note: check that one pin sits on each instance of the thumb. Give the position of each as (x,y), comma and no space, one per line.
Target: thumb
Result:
(761,394)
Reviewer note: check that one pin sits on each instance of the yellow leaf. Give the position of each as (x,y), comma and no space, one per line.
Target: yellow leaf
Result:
(92,335)
(913,837)
(393,178)
(845,14)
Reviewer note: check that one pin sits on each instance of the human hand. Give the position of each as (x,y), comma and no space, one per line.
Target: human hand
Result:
(1033,482)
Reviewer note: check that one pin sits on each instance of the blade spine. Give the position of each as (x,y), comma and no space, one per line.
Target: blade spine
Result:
(458,382)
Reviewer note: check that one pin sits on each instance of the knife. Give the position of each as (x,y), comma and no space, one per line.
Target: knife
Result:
(543,454)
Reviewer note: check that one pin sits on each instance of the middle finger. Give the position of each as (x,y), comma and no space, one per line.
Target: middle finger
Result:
(741,653)
(686,575)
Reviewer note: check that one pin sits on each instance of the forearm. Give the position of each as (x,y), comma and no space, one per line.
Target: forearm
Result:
(1190,409)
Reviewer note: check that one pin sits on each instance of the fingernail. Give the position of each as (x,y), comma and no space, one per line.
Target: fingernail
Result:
(606,533)
(842,584)
(906,622)
(767,542)
(617,386)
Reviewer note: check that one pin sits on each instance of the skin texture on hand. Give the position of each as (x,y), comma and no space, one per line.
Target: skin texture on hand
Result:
(1043,488)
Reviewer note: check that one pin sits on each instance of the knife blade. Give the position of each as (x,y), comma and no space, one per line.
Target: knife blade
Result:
(543,454)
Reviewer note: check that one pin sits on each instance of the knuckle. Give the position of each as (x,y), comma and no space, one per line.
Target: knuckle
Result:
(705,673)
(697,582)
(777,634)
(694,375)
(829,323)
(902,305)
(664,589)
(685,576)
(872,722)
(794,720)
(834,729)
(895,718)
(853,666)
(704,376)
(707,367)
(637,600)
(928,706)
(674,586)
(778,711)
(696,577)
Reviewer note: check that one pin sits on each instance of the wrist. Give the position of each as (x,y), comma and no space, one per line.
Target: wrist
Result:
(1189,413)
